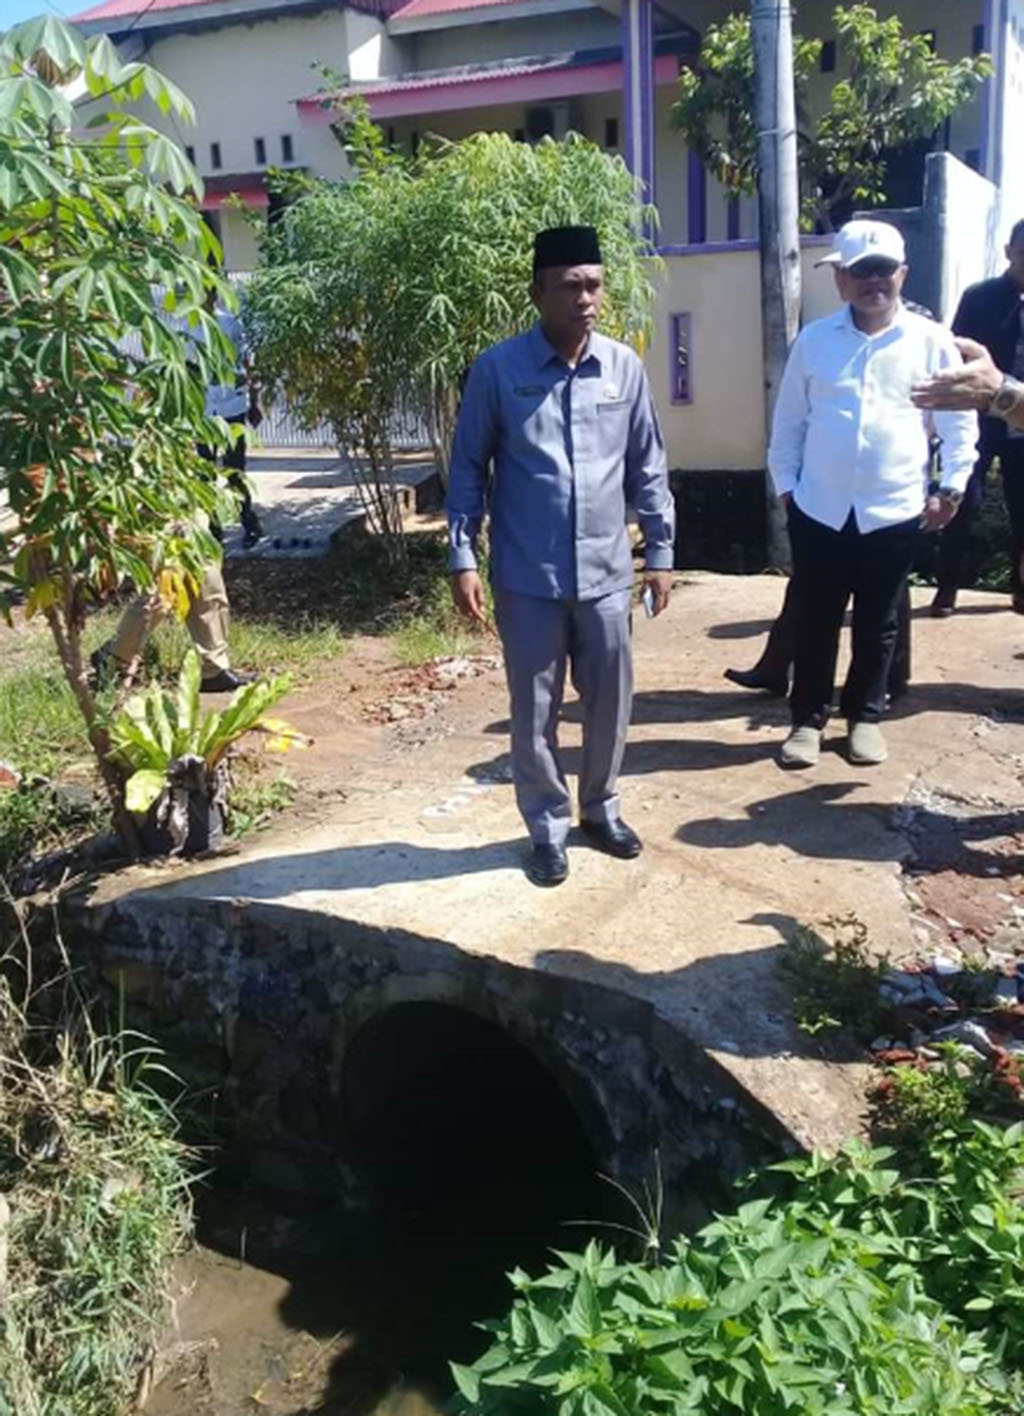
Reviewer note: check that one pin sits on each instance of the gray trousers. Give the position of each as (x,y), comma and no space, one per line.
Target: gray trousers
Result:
(540,637)
(207,622)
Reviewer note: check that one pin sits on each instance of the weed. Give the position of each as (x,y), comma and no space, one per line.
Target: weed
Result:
(304,650)
(97,1188)
(911,1101)
(253,801)
(856,1285)
(35,819)
(836,982)
(975,985)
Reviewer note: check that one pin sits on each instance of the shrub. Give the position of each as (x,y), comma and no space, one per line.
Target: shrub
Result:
(856,1288)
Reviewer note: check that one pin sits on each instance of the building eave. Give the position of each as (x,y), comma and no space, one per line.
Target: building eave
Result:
(402,24)
(541,79)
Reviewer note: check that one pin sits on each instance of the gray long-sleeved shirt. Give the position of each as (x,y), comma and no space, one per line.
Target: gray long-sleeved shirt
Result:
(572,450)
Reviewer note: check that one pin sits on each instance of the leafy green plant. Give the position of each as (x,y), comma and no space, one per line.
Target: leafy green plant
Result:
(175,752)
(911,1102)
(866,1283)
(949,1206)
(101,411)
(836,982)
(893,90)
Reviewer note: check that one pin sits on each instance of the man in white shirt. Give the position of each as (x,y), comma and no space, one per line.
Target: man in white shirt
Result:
(849,459)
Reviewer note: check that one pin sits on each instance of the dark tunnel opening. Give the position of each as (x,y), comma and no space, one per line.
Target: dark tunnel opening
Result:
(473,1161)
(449,1117)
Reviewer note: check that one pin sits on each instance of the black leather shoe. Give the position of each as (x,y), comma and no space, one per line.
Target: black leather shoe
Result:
(757,678)
(226,682)
(549,864)
(614,837)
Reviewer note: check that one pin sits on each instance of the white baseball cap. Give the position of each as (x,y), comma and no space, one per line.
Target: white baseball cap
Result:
(863,240)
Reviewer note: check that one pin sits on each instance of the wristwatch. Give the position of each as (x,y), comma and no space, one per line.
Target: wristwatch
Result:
(948,494)
(1008,395)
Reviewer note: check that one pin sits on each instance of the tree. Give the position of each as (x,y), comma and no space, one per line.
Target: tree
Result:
(104,261)
(375,295)
(895,91)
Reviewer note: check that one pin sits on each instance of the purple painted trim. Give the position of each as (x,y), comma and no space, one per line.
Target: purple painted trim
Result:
(647,97)
(627,87)
(680,380)
(986,91)
(718,248)
(696,200)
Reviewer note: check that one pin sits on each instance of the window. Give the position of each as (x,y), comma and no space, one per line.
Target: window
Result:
(978,39)
(260,147)
(680,385)
(519,135)
(828,56)
(287,150)
(190,153)
(215,155)
(414,143)
(611,132)
(391,137)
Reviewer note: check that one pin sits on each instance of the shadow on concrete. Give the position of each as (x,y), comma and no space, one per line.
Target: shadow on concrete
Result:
(646,757)
(762,710)
(354,868)
(739,629)
(821,822)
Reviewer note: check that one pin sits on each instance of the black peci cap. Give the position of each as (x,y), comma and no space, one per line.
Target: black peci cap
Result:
(566,246)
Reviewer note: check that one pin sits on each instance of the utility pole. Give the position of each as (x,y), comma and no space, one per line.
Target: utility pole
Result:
(778,201)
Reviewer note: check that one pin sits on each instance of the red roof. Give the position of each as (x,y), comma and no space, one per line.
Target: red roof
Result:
(418,9)
(126,9)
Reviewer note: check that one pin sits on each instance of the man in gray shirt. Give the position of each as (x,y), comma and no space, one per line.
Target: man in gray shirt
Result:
(558,437)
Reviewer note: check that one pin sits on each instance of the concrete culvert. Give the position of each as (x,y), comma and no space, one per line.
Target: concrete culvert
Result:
(446,1114)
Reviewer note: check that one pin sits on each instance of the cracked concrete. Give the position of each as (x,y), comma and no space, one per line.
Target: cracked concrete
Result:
(427,839)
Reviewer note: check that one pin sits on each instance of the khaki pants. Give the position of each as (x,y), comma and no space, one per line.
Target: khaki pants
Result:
(207,622)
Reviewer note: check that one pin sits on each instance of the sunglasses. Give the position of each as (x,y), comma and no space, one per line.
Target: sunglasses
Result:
(873,269)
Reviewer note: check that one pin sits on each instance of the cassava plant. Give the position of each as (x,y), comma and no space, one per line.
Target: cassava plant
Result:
(105,265)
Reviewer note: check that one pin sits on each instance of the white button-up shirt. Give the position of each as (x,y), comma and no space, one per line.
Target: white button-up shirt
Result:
(845,435)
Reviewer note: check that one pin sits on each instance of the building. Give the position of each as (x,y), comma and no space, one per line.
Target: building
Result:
(605,68)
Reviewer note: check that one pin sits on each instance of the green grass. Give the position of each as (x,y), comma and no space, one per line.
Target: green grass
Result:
(96,1182)
(262,648)
(42,734)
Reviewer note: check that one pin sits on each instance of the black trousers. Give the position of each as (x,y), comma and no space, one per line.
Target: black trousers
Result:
(955,540)
(1011,463)
(828,568)
(233,460)
(776,661)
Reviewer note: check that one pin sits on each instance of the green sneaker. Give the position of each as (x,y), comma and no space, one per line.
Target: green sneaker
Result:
(802,748)
(866,745)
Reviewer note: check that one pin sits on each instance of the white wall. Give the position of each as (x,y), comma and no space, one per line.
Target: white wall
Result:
(501,39)
(244,79)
